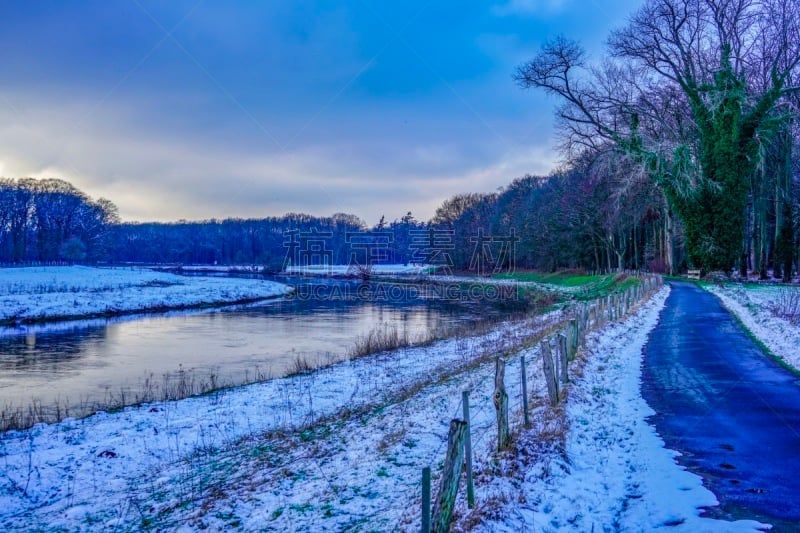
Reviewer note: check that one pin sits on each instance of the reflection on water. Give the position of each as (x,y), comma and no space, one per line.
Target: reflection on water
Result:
(86,361)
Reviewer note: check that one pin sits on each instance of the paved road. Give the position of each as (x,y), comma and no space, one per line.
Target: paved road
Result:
(733,412)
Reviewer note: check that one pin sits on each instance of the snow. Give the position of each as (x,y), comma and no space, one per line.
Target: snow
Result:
(232,269)
(754,305)
(343,447)
(33,294)
(344,270)
(617,476)
(111,468)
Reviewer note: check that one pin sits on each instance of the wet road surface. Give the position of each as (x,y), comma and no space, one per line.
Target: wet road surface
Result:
(730,410)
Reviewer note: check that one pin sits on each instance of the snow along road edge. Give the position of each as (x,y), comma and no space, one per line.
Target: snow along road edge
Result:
(617,474)
(752,308)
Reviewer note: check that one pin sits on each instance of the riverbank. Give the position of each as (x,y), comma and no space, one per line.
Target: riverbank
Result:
(40,294)
(152,464)
(343,447)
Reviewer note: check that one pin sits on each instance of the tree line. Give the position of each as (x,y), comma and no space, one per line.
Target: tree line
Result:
(571,219)
(702,97)
(579,218)
(50,220)
(599,213)
(680,147)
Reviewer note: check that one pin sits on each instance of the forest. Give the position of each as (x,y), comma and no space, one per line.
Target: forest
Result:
(50,220)
(590,216)
(680,150)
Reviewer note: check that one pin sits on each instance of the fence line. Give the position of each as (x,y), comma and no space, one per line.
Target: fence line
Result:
(566,342)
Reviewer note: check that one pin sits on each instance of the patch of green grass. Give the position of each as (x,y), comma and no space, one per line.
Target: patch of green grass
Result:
(260,450)
(301,508)
(561,279)
(328,511)
(231,519)
(299,475)
(584,286)
(277,513)
(382,472)
(319,431)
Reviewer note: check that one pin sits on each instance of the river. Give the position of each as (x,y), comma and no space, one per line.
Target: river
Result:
(86,363)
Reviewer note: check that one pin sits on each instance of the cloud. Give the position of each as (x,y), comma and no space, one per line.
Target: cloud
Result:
(530,7)
(276,107)
(153,174)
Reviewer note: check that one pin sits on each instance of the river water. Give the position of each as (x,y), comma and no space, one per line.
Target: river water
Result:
(82,363)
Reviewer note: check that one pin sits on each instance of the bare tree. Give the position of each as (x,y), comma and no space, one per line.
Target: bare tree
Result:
(703,57)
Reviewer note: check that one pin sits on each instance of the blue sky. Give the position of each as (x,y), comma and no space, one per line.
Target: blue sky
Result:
(199,109)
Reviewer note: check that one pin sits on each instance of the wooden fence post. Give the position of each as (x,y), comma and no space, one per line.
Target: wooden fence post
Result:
(468,451)
(426,500)
(524,376)
(573,339)
(448,488)
(585,325)
(549,373)
(501,404)
(562,358)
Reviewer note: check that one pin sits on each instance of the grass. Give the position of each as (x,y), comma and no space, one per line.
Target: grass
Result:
(172,386)
(583,286)
(560,279)
(387,337)
(787,305)
(300,365)
(764,347)
(384,337)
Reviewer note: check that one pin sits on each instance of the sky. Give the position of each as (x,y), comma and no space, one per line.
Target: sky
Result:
(198,109)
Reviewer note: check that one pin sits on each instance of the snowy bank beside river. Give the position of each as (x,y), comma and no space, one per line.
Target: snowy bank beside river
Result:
(767,311)
(343,447)
(56,293)
(129,469)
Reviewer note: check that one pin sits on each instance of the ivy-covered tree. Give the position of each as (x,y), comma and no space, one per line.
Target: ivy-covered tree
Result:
(709,56)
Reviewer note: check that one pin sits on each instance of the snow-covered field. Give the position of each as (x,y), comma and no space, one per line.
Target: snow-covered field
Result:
(759,309)
(46,293)
(343,447)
